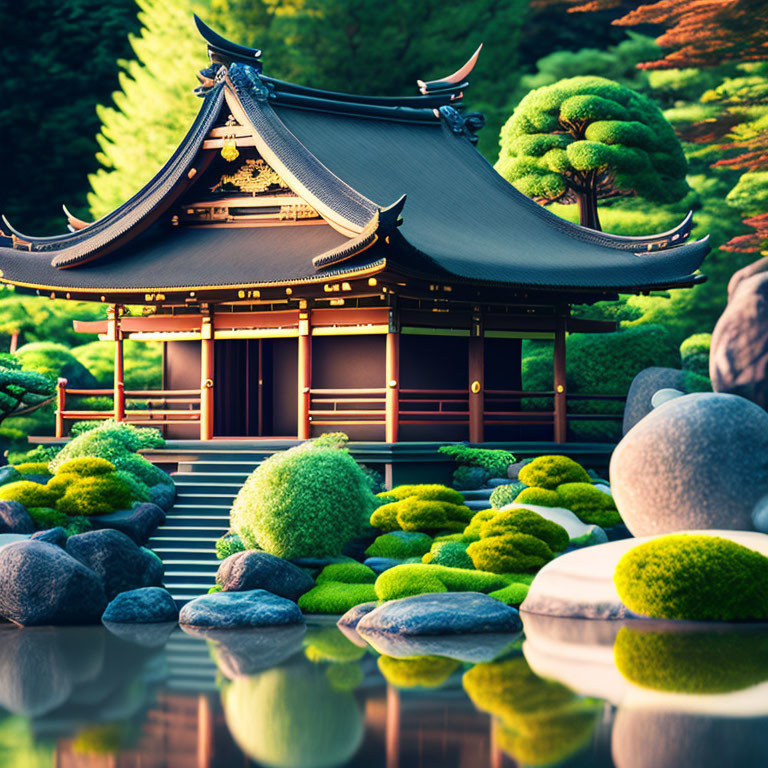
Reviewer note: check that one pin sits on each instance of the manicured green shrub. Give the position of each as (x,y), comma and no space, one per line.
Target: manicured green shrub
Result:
(694,353)
(418,579)
(143,470)
(97,495)
(692,662)
(551,471)
(143,362)
(323,644)
(415,514)
(335,597)
(694,577)
(227,545)
(45,518)
(344,676)
(40,453)
(466,478)
(472,531)
(32,468)
(539,497)
(431,492)
(347,573)
(528,522)
(417,671)
(85,466)
(28,494)
(492,460)
(452,554)
(510,552)
(400,545)
(55,360)
(304,502)
(589,504)
(513,594)
(506,494)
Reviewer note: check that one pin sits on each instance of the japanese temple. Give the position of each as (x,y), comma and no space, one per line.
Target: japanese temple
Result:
(316,261)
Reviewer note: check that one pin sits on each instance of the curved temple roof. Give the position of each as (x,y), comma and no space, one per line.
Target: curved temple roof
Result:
(354,159)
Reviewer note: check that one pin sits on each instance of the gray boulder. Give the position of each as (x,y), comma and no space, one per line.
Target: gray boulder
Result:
(148,605)
(40,584)
(438,615)
(349,621)
(381,564)
(644,386)
(139,523)
(698,461)
(56,536)
(9,474)
(237,610)
(121,564)
(14,518)
(254,569)
(738,354)
(163,494)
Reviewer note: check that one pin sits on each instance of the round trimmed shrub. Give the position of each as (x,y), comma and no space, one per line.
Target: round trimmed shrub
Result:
(415,514)
(494,461)
(528,522)
(144,471)
(303,502)
(692,662)
(335,597)
(85,466)
(97,495)
(506,494)
(589,504)
(472,531)
(419,579)
(431,492)
(551,471)
(694,353)
(28,494)
(694,577)
(32,468)
(417,671)
(466,478)
(452,554)
(400,545)
(227,545)
(347,573)
(538,497)
(509,553)
(514,594)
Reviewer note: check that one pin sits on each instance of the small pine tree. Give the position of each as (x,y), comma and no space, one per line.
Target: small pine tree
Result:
(155,106)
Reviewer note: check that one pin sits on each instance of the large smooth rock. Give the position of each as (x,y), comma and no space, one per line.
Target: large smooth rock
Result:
(236,610)
(254,569)
(56,536)
(644,386)
(738,354)
(697,462)
(138,523)
(437,615)
(40,584)
(14,518)
(147,605)
(163,494)
(347,624)
(117,560)
(579,584)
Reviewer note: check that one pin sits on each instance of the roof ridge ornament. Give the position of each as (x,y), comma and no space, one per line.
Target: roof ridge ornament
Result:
(223,51)
(462,124)
(454,82)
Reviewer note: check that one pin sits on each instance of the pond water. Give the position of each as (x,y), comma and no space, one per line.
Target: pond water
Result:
(569,693)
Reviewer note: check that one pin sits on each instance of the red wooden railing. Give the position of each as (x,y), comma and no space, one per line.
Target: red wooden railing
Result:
(160,406)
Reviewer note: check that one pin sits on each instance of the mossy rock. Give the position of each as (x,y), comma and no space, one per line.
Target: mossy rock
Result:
(425,491)
(589,504)
(85,466)
(28,494)
(418,579)
(528,522)
(539,497)
(334,597)
(509,552)
(417,671)
(513,594)
(551,471)
(694,577)
(416,514)
(399,545)
(449,553)
(472,531)
(347,573)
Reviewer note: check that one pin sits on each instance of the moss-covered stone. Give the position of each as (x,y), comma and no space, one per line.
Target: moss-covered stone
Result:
(551,471)
(400,545)
(449,553)
(695,577)
(589,504)
(472,531)
(419,579)
(513,594)
(28,494)
(528,522)
(417,671)
(426,491)
(336,598)
(416,514)
(347,573)
(509,552)
(539,497)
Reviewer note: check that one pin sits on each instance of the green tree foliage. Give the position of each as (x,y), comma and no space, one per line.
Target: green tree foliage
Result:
(22,391)
(589,138)
(144,362)
(59,59)
(55,360)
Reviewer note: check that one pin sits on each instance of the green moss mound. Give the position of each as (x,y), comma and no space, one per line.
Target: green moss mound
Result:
(551,471)
(700,662)
(291,717)
(589,504)
(430,492)
(100,495)
(506,494)
(528,522)
(509,552)
(513,594)
(494,461)
(415,514)
(347,573)
(452,554)
(32,468)
(399,545)
(328,644)
(85,467)
(334,597)
(307,501)
(28,494)
(472,531)
(45,518)
(694,354)
(228,545)
(418,579)
(538,497)
(417,671)
(694,577)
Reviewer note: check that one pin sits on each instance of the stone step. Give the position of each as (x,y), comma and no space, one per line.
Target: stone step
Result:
(188,532)
(186,497)
(217,466)
(478,504)
(233,478)
(180,519)
(480,493)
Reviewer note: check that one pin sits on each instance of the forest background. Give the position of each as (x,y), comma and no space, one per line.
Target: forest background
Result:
(98,94)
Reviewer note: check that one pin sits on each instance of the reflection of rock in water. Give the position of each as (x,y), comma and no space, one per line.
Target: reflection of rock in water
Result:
(148,635)
(291,717)
(654,739)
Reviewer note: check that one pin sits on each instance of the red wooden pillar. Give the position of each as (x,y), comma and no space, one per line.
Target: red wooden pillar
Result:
(14,341)
(392,398)
(61,404)
(476,381)
(305,372)
(561,419)
(114,333)
(206,378)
